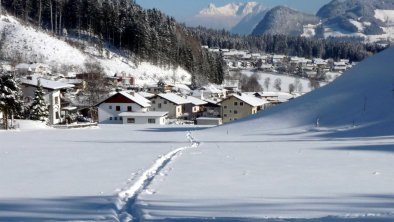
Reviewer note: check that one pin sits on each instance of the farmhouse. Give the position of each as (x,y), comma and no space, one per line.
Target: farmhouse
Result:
(110,109)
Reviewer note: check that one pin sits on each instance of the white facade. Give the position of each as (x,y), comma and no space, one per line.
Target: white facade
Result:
(157,118)
(109,112)
(52,98)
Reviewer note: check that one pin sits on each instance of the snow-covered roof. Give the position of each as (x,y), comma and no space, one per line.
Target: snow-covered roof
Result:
(46,83)
(146,94)
(143,114)
(70,81)
(212,101)
(251,100)
(172,97)
(196,101)
(137,98)
(182,87)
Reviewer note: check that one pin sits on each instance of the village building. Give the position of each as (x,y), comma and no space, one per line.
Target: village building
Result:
(212,109)
(171,103)
(240,105)
(123,103)
(53,94)
(195,107)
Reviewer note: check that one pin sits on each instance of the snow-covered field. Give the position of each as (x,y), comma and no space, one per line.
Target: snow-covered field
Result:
(32,45)
(327,156)
(286,81)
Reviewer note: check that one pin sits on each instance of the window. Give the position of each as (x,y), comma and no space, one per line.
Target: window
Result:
(235,112)
(235,103)
(56,100)
(151,121)
(130,120)
(241,103)
(57,115)
(121,118)
(110,118)
(115,118)
(153,101)
(129,109)
(117,108)
(159,105)
(224,107)
(231,111)
(109,107)
(165,102)
(225,115)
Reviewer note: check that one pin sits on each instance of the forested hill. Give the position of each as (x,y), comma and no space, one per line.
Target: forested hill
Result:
(147,34)
(288,45)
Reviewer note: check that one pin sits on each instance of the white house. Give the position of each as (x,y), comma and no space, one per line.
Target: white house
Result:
(52,95)
(159,118)
(110,109)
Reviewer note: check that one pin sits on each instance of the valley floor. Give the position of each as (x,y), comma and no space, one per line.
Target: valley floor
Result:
(114,173)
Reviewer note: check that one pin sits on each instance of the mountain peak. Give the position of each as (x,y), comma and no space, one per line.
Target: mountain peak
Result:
(231,9)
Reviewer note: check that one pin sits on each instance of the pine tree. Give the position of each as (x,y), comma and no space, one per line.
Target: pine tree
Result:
(10,98)
(39,109)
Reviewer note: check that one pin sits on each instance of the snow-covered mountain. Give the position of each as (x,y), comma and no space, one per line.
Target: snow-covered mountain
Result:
(371,20)
(283,20)
(27,44)
(226,16)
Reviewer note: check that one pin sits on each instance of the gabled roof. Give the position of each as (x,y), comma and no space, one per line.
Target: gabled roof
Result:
(135,97)
(46,83)
(251,100)
(196,101)
(174,98)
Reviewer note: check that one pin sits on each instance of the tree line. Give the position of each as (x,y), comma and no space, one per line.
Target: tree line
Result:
(148,35)
(288,45)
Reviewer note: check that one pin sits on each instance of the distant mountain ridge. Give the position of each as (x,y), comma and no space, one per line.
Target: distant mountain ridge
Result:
(370,20)
(283,20)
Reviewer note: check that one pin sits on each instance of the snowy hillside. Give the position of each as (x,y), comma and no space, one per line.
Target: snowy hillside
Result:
(278,166)
(32,45)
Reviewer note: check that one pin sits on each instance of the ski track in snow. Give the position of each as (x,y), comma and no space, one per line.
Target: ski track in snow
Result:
(127,198)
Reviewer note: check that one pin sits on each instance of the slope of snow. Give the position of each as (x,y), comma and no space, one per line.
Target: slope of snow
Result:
(31,45)
(278,165)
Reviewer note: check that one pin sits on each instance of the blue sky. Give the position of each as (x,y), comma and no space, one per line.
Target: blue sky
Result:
(183,10)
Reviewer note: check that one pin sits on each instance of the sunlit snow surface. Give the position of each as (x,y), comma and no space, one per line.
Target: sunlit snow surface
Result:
(325,156)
